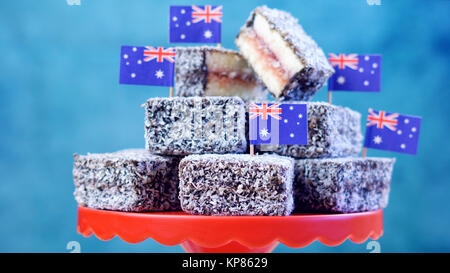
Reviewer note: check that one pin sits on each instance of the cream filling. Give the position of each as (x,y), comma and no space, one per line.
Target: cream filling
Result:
(230,75)
(277,45)
(228,63)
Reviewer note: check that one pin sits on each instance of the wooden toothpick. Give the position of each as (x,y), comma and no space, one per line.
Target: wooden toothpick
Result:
(252,150)
(171,92)
(364,152)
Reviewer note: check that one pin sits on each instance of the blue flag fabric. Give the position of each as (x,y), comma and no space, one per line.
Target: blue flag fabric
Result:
(392,132)
(195,24)
(278,124)
(147,65)
(355,72)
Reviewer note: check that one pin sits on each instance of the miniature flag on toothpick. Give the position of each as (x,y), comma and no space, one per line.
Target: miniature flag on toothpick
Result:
(147,65)
(392,132)
(355,72)
(276,123)
(195,24)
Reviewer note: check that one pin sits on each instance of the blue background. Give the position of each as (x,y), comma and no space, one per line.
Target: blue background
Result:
(59,94)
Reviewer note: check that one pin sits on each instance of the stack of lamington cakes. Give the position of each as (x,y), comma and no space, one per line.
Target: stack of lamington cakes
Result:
(196,156)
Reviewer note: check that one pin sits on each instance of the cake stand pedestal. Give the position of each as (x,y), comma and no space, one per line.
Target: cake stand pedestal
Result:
(231,234)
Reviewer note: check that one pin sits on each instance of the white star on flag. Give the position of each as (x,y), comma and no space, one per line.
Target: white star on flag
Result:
(159,74)
(264,132)
(377,140)
(207,34)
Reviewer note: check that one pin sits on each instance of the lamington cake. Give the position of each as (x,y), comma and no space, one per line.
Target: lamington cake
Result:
(342,185)
(285,58)
(215,71)
(195,125)
(128,180)
(333,131)
(236,184)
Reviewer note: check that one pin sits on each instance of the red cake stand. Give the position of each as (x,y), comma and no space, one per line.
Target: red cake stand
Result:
(231,234)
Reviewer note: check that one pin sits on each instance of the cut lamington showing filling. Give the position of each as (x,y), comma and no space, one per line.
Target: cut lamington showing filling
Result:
(214,71)
(284,57)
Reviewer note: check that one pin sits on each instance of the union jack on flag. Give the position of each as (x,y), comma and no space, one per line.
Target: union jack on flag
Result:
(147,65)
(380,119)
(355,72)
(195,24)
(278,124)
(392,131)
(273,111)
(160,54)
(207,14)
(343,61)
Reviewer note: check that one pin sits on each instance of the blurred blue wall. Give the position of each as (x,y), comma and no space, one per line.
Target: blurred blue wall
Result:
(59,94)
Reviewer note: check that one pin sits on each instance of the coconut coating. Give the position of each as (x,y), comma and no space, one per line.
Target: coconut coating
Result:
(342,185)
(229,184)
(195,125)
(190,72)
(127,180)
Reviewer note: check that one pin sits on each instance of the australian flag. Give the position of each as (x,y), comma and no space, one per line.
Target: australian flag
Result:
(147,65)
(276,123)
(392,132)
(195,24)
(355,72)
